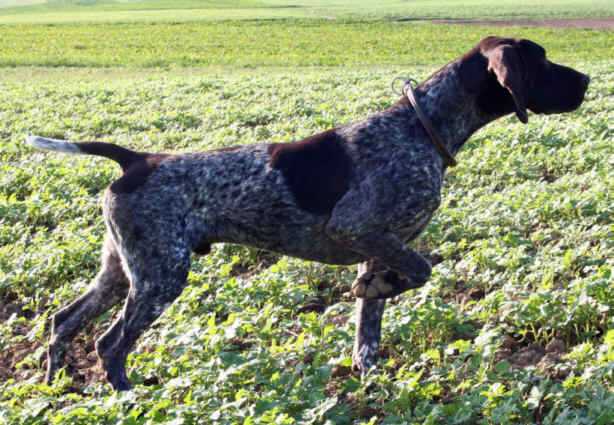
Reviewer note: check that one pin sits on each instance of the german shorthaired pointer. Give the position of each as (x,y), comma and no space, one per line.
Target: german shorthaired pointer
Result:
(354,194)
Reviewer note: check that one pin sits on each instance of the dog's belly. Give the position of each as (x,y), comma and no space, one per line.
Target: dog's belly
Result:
(409,231)
(236,197)
(302,236)
(300,243)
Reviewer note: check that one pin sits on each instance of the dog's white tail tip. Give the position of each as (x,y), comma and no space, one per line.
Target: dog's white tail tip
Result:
(52,144)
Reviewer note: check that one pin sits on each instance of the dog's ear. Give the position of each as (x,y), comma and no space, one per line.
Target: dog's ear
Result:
(505,62)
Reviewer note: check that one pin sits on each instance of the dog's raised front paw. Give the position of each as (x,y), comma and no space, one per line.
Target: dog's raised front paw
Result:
(381,284)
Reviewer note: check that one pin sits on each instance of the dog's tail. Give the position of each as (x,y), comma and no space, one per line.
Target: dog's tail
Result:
(124,157)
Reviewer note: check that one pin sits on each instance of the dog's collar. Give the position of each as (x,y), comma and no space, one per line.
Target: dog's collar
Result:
(447,157)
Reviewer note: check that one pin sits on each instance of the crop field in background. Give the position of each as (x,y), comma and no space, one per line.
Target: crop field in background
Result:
(516,325)
(288,43)
(70,11)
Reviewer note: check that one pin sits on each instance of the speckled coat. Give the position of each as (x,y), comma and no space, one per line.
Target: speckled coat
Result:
(354,194)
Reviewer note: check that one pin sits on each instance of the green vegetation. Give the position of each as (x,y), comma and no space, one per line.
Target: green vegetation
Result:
(515,327)
(525,234)
(288,43)
(190,10)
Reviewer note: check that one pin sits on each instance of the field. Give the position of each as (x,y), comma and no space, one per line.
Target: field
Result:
(70,11)
(289,44)
(516,325)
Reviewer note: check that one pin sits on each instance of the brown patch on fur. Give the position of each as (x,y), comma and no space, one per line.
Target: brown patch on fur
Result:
(480,69)
(317,170)
(203,248)
(137,166)
(511,74)
(506,64)
(137,173)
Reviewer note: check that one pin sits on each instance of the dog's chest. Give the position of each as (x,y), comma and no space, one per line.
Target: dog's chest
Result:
(413,227)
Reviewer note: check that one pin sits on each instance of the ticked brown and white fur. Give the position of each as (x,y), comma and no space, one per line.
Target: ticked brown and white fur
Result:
(354,194)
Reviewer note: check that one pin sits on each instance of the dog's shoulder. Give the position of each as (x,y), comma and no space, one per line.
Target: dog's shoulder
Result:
(317,170)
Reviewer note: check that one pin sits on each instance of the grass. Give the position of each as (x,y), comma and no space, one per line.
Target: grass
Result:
(289,43)
(524,233)
(191,10)
(514,327)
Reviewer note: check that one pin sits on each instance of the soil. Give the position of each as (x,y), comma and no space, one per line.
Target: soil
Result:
(600,23)
(81,360)
(547,359)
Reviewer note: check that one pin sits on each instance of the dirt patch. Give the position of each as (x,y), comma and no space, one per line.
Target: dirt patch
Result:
(13,355)
(600,24)
(546,359)
(81,360)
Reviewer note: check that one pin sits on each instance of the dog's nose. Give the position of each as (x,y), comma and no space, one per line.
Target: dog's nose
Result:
(585,81)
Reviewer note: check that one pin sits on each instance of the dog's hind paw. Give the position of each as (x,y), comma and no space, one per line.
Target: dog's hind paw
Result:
(381,284)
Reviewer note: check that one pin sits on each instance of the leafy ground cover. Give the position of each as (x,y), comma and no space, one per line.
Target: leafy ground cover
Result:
(515,326)
(288,43)
(70,11)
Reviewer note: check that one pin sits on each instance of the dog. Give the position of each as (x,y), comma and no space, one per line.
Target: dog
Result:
(353,194)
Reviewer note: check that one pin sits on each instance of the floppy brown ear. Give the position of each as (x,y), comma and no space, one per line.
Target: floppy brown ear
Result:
(507,65)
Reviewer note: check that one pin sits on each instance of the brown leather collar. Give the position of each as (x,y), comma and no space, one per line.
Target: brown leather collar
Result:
(447,157)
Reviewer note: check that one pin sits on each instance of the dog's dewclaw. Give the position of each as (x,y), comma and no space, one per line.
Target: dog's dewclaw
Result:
(359,289)
(372,292)
(375,286)
(384,288)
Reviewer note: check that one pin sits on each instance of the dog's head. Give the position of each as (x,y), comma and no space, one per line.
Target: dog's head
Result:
(513,75)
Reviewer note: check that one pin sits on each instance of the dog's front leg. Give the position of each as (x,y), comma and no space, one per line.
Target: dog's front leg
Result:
(368,333)
(396,269)
(363,221)
(369,315)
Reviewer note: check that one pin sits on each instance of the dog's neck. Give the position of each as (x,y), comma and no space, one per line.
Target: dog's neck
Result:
(453,111)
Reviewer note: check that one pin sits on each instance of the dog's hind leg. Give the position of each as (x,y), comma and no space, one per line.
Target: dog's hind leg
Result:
(158,273)
(108,288)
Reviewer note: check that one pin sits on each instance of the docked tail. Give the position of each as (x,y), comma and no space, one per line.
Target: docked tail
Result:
(124,157)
